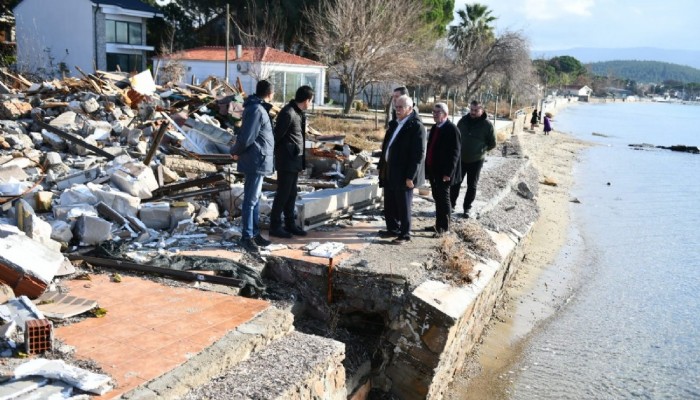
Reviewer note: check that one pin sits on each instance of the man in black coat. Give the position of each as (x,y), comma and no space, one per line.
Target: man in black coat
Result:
(442,165)
(401,169)
(290,140)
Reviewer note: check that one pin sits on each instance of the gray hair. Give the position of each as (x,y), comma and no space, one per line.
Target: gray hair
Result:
(442,107)
(406,100)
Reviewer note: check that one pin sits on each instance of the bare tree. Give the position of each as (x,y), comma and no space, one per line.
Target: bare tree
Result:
(366,40)
(262,28)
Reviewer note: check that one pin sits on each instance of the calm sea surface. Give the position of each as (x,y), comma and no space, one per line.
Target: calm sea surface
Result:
(631,330)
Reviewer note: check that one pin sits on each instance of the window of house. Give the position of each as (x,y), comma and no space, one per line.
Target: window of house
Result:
(124,32)
(124,62)
(287,83)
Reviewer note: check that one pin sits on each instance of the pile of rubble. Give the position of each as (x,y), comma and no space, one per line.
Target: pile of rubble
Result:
(118,160)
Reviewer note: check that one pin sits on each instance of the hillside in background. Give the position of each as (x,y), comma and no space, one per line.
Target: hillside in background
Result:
(589,55)
(646,71)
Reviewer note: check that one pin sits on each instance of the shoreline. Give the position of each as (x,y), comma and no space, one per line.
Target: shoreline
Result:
(544,279)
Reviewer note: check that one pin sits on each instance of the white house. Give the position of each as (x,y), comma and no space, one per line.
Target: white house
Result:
(285,70)
(56,36)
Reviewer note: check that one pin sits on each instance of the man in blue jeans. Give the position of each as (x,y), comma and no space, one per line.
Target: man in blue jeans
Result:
(254,151)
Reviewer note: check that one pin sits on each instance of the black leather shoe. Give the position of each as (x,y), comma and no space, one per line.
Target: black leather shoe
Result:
(387,234)
(429,229)
(401,239)
(295,230)
(280,233)
(261,241)
(249,245)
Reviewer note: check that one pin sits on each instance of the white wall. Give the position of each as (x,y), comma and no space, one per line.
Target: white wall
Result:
(201,70)
(63,26)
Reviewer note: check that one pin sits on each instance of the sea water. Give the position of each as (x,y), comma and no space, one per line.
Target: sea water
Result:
(631,329)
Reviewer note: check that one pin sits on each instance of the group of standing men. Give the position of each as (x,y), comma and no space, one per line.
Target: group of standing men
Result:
(262,147)
(448,155)
(445,157)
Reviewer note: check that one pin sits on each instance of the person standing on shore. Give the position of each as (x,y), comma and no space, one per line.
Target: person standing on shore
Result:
(253,150)
(533,120)
(401,169)
(478,137)
(290,143)
(547,123)
(442,165)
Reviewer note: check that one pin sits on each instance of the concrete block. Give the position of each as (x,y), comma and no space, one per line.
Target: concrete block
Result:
(98,130)
(183,165)
(12,172)
(155,215)
(80,150)
(90,105)
(136,179)
(73,212)
(61,231)
(77,178)
(208,213)
(180,211)
(56,142)
(323,204)
(14,109)
(123,203)
(169,176)
(43,201)
(92,230)
(78,194)
(26,275)
(133,136)
(52,158)
(68,121)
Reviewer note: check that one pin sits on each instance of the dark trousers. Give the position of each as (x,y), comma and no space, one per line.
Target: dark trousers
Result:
(472,171)
(397,210)
(443,207)
(285,199)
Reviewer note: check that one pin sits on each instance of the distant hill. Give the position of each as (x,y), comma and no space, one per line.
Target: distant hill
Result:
(590,55)
(646,71)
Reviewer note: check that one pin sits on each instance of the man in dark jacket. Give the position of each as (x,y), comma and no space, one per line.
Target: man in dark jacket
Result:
(253,151)
(290,139)
(401,169)
(442,165)
(478,137)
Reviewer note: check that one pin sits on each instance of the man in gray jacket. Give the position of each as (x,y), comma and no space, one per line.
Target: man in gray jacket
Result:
(253,150)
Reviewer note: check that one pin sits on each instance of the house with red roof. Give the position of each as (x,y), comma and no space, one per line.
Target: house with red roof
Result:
(54,37)
(250,64)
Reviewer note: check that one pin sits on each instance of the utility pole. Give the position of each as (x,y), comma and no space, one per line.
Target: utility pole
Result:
(226,52)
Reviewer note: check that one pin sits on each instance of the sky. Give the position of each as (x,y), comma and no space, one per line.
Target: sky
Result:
(566,24)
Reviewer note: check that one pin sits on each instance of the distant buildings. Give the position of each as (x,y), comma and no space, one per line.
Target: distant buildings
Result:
(54,37)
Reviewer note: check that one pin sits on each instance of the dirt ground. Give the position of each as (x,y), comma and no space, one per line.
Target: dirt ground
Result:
(537,287)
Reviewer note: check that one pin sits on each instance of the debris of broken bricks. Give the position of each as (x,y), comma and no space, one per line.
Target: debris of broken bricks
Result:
(110,159)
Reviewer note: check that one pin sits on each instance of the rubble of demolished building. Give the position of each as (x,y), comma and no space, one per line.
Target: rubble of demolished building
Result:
(117,171)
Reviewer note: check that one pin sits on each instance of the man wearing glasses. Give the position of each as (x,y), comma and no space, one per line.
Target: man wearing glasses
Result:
(478,137)
(442,165)
(401,169)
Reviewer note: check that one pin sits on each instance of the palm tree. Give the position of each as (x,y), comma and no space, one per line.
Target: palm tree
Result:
(474,28)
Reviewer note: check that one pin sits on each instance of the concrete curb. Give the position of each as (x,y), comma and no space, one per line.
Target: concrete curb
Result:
(238,345)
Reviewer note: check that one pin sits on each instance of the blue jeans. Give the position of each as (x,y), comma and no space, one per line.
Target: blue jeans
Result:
(250,210)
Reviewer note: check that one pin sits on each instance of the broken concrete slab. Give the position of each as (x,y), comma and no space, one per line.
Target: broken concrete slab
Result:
(61,231)
(57,369)
(20,310)
(77,178)
(14,109)
(121,202)
(136,179)
(182,165)
(155,215)
(61,306)
(26,275)
(92,230)
(208,213)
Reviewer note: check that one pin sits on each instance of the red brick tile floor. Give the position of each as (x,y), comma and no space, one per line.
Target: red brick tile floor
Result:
(150,328)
